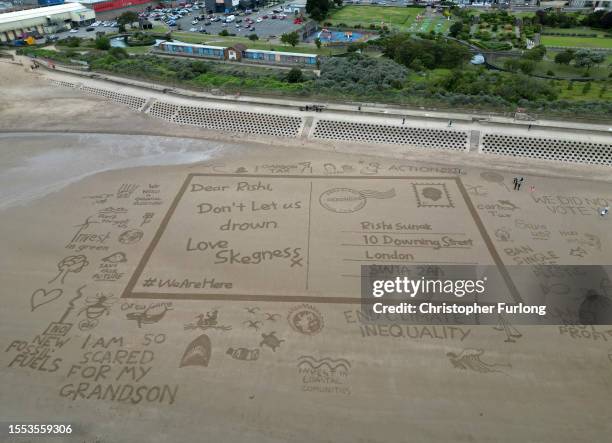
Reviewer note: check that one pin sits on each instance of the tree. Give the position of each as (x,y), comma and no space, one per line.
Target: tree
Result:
(536,53)
(586,88)
(564,57)
(455,29)
(317,15)
(512,64)
(317,9)
(127,18)
(433,53)
(587,59)
(527,66)
(253,37)
(294,75)
(103,43)
(119,53)
(290,38)
(318,42)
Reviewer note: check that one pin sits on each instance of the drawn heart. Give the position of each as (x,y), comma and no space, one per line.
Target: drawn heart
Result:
(41,297)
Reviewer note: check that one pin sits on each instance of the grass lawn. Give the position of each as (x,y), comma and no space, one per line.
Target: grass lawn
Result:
(570,71)
(217,40)
(396,18)
(576,92)
(159,29)
(137,50)
(577,30)
(576,42)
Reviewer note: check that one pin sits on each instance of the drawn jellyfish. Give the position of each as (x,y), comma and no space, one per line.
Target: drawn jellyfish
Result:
(432,193)
(596,309)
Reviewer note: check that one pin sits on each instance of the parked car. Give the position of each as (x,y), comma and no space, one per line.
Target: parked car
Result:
(89,28)
(73,31)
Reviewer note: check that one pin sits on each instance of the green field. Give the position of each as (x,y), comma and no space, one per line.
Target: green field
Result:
(565,71)
(576,42)
(576,93)
(577,30)
(137,50)
(400,19)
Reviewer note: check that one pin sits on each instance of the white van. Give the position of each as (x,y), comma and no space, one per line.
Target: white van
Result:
(230,18)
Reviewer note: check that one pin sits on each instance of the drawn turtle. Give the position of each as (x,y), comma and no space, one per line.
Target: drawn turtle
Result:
(271,340)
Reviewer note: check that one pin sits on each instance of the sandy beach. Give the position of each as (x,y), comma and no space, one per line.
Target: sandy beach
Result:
(168,283)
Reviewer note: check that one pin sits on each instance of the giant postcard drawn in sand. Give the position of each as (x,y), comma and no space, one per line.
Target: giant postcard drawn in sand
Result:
(296,238)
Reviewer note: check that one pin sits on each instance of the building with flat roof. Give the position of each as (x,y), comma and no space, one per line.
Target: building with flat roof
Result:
(238,52)
(47,20)
(112,5)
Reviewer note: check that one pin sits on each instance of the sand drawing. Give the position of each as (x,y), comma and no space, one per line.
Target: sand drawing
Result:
(117,257)
(316,363)
(207,322)
(97,306)
(152,314)
(512,334)
(271,317)
(42,297)
(271,341)
(131,236)
(243,354)
(71,264)
(470,359)
(126,190)
(255,324)
(433,195)
(347,200)
(305,319)
(197,352)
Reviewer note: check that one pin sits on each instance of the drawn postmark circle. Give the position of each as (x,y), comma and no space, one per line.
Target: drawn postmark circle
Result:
(342,200)
(305,319)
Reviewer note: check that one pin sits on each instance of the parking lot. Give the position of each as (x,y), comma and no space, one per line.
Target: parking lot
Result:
(264,22)
(83,33)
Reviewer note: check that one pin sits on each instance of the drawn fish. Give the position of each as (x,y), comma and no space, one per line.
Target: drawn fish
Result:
(555,288)
(197,352)
(243,354)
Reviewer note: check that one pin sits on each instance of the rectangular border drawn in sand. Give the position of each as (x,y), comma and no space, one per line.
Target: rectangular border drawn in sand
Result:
(129,289)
